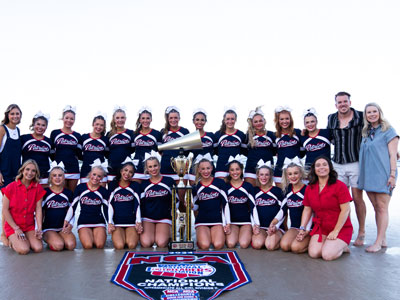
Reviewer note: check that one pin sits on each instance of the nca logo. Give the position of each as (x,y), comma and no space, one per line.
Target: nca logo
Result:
(181,270)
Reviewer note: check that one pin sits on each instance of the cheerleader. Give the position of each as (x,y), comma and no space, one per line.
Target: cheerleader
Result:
(207,139)
(294,189)
(268,200)
(124,219)
(314,141)
(260,144)
(146,139)
(67,147)
(230,142)
(95,145)
(93,201)
(156,204)
(170,132)
(120,141)
(287,140)
(210,205)
(242,207)
(37,146)
(55,205)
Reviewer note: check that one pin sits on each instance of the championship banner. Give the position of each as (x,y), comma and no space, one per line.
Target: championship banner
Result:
(180,276)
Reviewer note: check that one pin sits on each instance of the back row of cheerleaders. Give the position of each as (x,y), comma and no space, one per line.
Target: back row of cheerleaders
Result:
(234,196)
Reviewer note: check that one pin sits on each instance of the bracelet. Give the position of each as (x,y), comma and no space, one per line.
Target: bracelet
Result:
(302,228)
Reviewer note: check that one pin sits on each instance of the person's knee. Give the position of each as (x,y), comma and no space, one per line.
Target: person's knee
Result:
(70,245)
(132,245)
(218,245)
(37,248)
(329,255)
(285,246)
(257,245)
(100,244)
(203,245)
(230,244)
(22,250)
(119,245)
(146,243)
(162,242)
(314,253)
(244,244)
(297,248)
(87,244)
(56,246)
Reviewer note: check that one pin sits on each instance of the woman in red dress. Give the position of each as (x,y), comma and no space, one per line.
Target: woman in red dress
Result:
(329,199)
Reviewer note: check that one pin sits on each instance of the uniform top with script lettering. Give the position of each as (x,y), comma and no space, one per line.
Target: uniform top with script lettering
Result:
(68,149)
(228,145)
(167,154)
(211,203)
(292,203)
(92,149)
(268,204)
(242,205)
(287,146)
(121,145)
(264,148)
(156,200)
(55,207)
(317,145)
(93,204)
(38,150)
(144,143)
(124,204)
(208,141)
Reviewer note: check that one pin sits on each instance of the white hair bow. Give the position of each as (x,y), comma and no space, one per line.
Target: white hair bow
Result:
(169,108)
(295,161)
(41,114)
(257,111)
(55,165)
(97,163)
(69,108)
(143,109)
(239,158)
(199,110)
(282,108)
(117,107)
(101,114)
(200,157)
(152,154)
(232,108)
(261,163)
(129,159)
(311,110)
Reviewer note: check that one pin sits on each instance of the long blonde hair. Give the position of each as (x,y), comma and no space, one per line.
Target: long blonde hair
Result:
(285,181)
(250,129)
(385,125)
(21,170)
(55,169)
(113,129)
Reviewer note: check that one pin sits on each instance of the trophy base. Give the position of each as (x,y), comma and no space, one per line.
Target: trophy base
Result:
(182,246)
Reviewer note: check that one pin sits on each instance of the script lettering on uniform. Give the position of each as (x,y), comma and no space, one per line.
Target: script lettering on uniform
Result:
(263,202)
(262,144)
(62,141)
(236,200)
(284,144)
(316,147)
(144,143)
(89,147)
(151,193)
(88,201)
(226,143)
(291,203)
(207,144)
(207,196)
(36,148)
(119,141)
(56,204)
(122,198)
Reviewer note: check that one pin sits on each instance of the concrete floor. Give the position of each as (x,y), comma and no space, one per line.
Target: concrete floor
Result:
(85,274)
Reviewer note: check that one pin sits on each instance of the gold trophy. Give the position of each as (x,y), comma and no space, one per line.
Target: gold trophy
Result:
(182,221)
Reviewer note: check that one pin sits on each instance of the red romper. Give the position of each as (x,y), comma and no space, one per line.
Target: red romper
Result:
(326,208)
(22,204)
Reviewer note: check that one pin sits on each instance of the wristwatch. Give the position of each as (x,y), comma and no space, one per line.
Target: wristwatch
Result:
(302,228)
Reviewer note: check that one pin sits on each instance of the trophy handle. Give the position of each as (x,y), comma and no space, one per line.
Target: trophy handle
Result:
(173,165)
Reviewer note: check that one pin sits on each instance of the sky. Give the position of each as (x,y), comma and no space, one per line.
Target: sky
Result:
(96,54)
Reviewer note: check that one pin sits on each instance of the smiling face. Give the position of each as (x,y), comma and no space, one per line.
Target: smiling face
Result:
(14,116)
(205,169)
(230,120)
(264,176)
(343,104)
(98,126)
(127,172)
(372,114)
(310,123)
(199,120)
(153,167)
(69,120)
(173,119)
(293,175)
(40,126)
(119,119)
(29,172)
(95,176)
(322,168)
(258,123)
(56,177)
(235,171)
(145,120)
(284,120)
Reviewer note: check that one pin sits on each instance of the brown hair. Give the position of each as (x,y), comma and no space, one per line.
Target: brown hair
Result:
(6,119)
(223,125)
(279,128)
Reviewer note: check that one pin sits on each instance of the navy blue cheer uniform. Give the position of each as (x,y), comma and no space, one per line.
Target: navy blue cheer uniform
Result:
(39,151)
(68,149)
(320,144)
(10,154)
(228,145)
(292,203)
(166,168)
(268,204)
(242,205)
(94,206)
(289,147)
(156,200)
(211,203)
(124,205)
(55,207)
(143,144)
(92,149)
(264,148)
(208,141)
(121,145)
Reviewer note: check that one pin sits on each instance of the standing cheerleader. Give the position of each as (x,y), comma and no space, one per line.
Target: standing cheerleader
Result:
(120,141)
(294,188)
(94,146)
(207,138)
(268,200)
(287,140)
(124,219)
(10,145)
(260,144)
(210,205)
(244,216)
(37,146)
(55,206)
(230,142)
(314,141)
(156,204)
(67,146)
(93,201)
(146,139)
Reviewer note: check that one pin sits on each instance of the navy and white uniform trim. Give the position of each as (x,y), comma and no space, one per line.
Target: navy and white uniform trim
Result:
(55,207)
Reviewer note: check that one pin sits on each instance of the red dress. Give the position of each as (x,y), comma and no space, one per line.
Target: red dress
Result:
(326,208)
(22,204)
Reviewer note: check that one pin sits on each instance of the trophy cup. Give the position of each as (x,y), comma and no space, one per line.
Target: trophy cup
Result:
(182,221)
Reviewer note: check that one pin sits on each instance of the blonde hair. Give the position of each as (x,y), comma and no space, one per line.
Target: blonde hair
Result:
(271,175)
(98,168)
(385,125)
(55,169)
(285,181)
(113,129)
(197,169)
(279,128)
(20,174)
(250,129)
(145,164)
